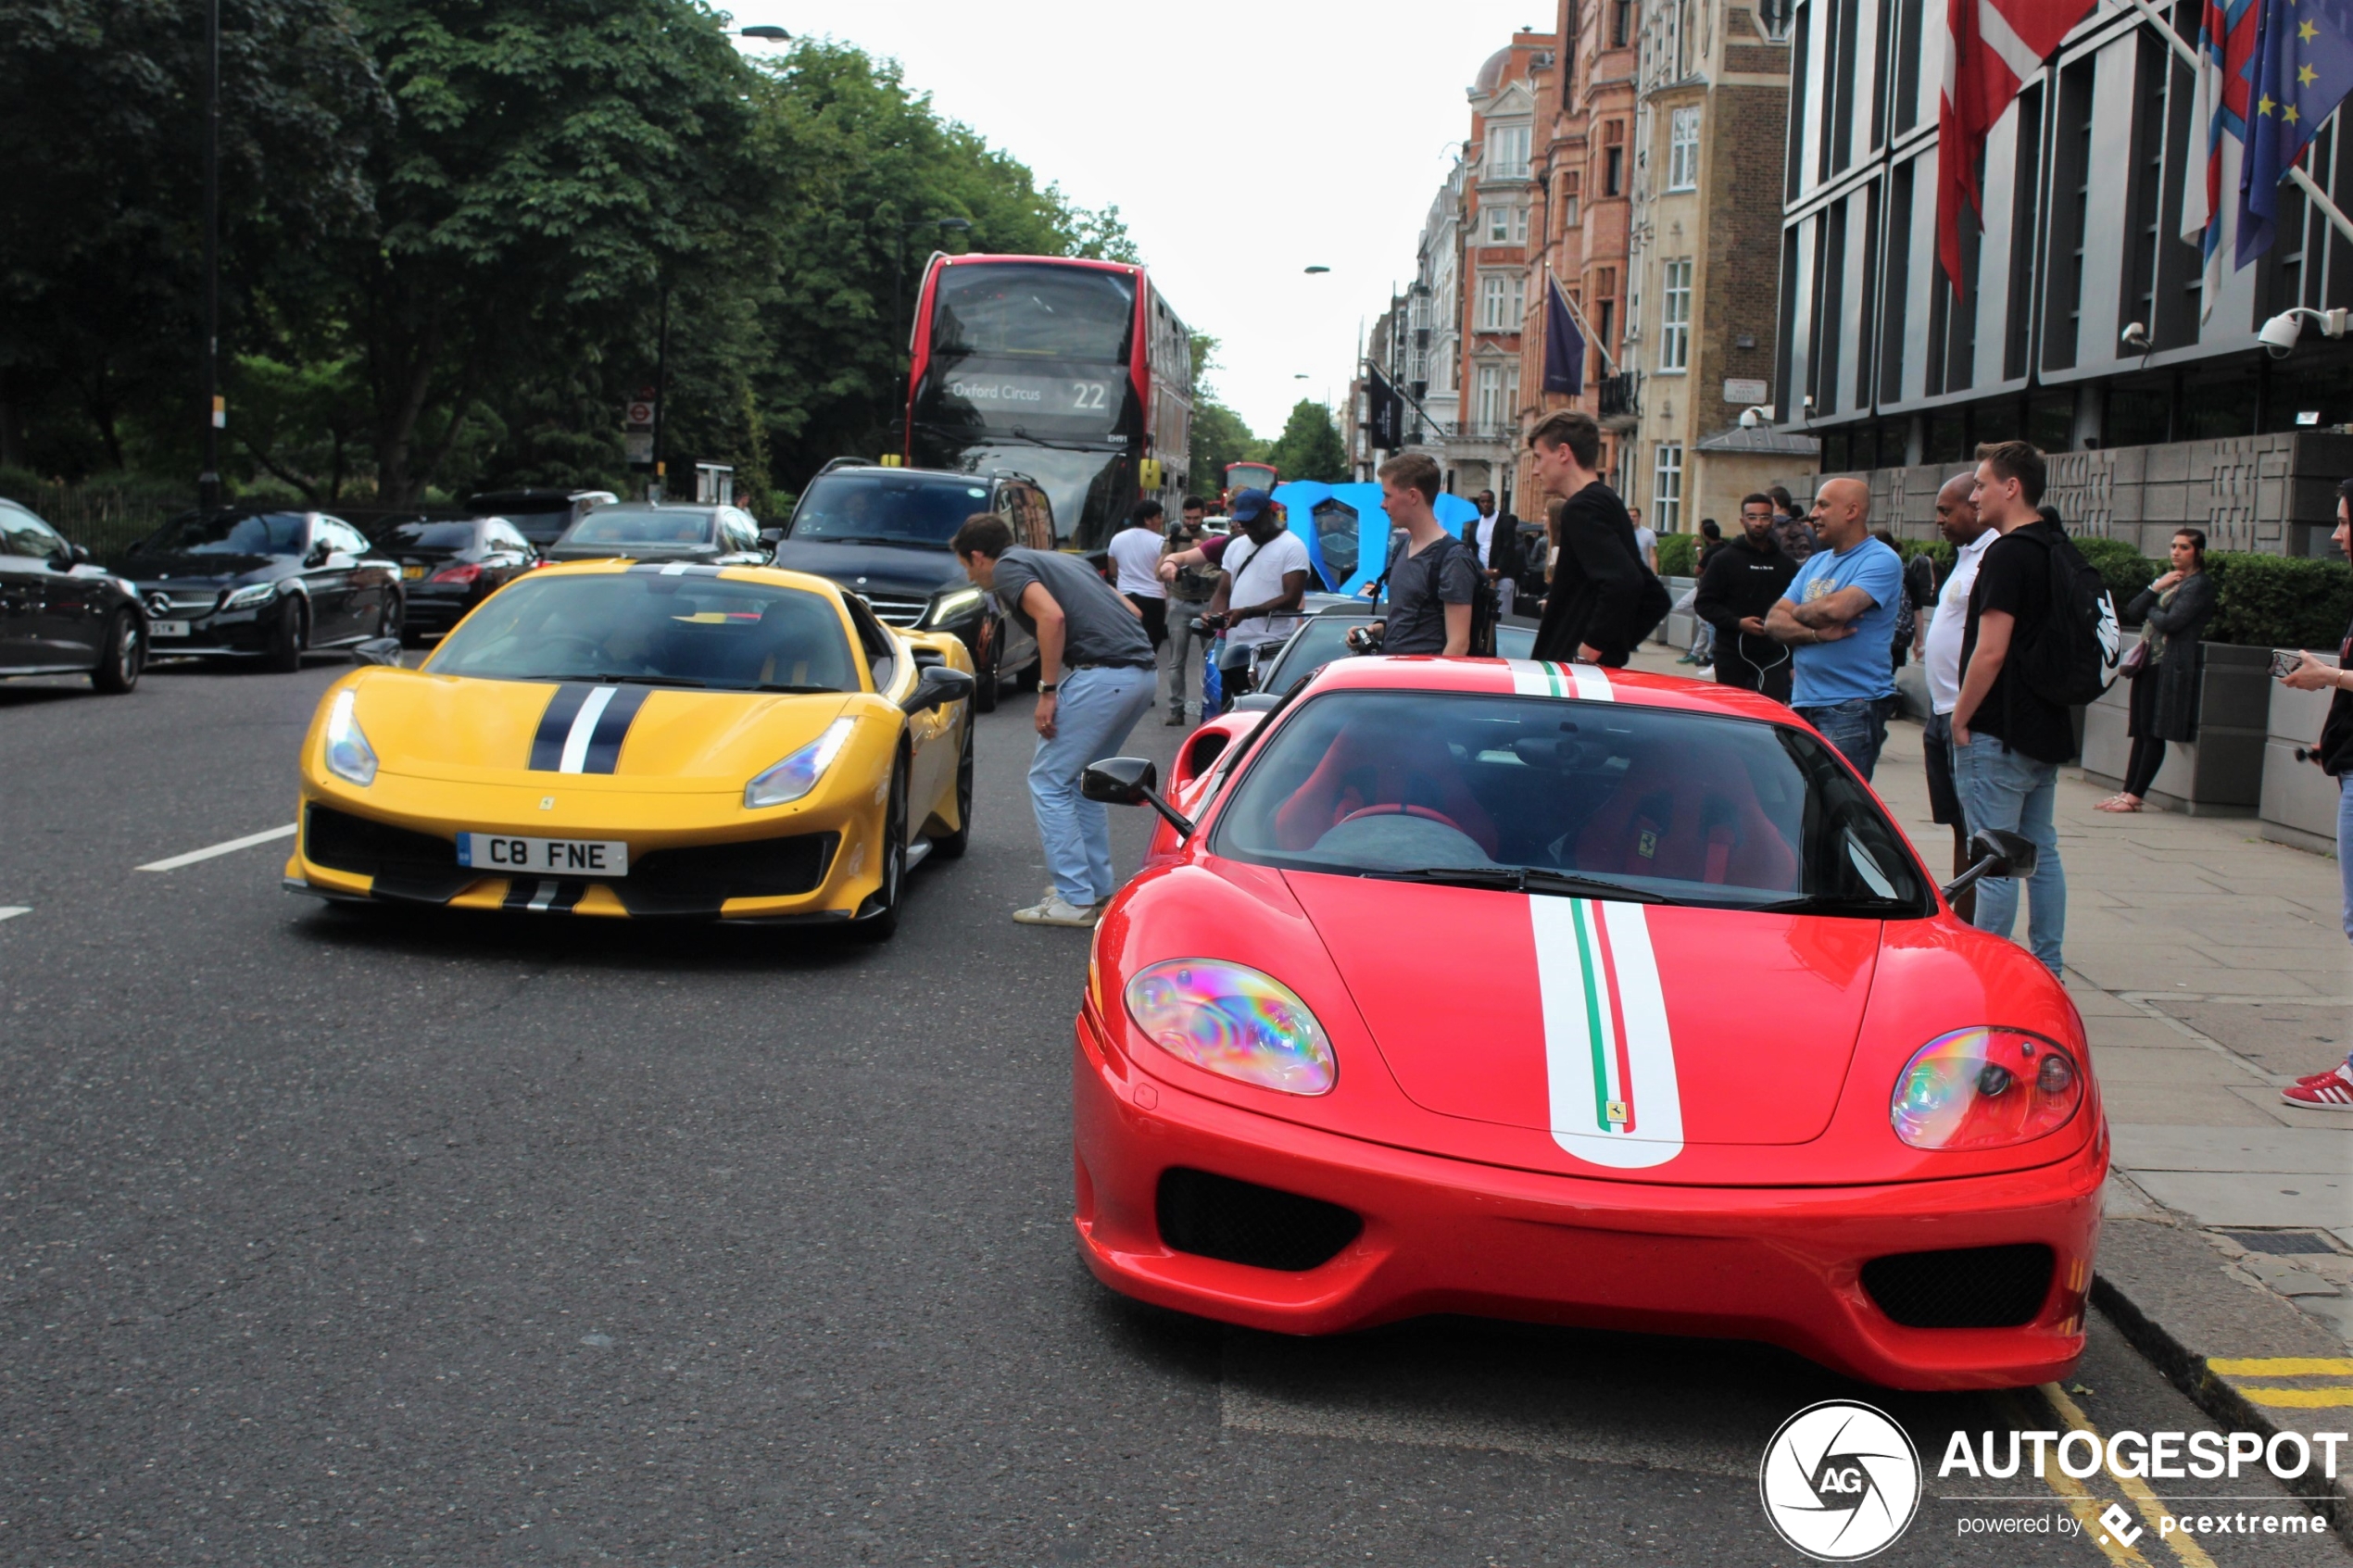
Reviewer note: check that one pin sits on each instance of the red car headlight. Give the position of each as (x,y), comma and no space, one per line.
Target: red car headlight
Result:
(1984,1089)
(1230,1020)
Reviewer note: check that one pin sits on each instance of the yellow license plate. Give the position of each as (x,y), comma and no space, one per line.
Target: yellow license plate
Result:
(410,573)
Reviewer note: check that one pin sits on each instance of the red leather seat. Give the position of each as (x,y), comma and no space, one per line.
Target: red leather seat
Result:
(1367,766)
(1686,821)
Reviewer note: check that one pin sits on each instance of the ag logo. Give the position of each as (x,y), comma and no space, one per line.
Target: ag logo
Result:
(1840,1481)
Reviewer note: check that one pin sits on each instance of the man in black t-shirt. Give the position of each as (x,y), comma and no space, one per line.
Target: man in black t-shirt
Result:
(2008,739)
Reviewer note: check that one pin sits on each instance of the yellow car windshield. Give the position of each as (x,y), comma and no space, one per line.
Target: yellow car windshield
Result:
(695,631)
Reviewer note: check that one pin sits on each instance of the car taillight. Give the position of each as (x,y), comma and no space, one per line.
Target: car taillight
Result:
(464,572)
(1984,1089)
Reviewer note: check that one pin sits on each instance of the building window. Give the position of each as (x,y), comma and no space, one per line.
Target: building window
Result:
(1499,224)
(1568,201)
(1614,171)
(1507,152)
(1682,150)
(1621,23)
(1488,413)
(1493,297)
(1520,225)
(1667,488)
(1675,316)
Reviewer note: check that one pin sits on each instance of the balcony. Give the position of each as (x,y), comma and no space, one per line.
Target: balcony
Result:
(1486,431)
(1621,397)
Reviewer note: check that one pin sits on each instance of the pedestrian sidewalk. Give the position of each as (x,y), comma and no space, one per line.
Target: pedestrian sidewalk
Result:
(2211,971)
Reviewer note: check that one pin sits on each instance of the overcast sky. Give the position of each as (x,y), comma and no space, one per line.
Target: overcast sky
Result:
(1302,134)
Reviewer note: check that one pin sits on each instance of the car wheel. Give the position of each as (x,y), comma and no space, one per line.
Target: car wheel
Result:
(288,638)
(393,617)
(121,655)
(985,677)
(949,845)
(878,920)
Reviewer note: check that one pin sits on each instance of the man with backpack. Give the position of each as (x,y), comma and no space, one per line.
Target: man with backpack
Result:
(2021,661)
(1434,579)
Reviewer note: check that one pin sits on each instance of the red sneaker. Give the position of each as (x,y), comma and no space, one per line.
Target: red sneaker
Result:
(2331,1091)
(2325,1074)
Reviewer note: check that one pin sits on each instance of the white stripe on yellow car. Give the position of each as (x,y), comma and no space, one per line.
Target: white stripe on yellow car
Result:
(1609,1060)
(583,730)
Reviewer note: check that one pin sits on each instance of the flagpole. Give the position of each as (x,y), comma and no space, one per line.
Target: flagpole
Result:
(2188,56)
(1591,335)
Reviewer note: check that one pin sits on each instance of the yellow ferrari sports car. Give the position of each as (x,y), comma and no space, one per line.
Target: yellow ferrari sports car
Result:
(636,739)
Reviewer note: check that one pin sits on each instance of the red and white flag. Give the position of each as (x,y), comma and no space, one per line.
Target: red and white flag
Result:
(1992,47)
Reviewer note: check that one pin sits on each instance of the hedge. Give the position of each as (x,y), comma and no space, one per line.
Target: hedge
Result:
(2279,601)
(2121,565)
(1679,555)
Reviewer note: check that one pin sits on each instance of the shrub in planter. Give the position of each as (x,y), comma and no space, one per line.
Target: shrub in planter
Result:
(1679,555)
(2279,601)
(2121,565)
(1936,550)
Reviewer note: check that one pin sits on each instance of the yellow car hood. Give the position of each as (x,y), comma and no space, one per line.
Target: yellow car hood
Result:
(467,730)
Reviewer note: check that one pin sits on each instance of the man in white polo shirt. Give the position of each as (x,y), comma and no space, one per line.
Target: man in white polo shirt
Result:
(1956,519)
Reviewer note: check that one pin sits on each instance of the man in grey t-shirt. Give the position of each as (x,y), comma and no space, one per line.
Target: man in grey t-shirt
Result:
(1432,576)
(1094,682)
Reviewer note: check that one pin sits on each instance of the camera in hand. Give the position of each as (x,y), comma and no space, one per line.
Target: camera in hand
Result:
(1362,639)
(2284,662)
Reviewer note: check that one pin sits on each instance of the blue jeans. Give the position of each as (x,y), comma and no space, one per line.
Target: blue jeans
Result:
(2344,844)
(2001,788)
(1857,727)
(1093,712)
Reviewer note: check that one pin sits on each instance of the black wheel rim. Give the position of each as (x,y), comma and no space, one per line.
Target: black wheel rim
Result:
(895,834)
(964,781)
(130,654)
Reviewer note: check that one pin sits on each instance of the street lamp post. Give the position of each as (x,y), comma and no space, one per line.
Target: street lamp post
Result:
(208,482)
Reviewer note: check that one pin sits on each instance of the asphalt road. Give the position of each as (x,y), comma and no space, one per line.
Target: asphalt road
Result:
(333,1239)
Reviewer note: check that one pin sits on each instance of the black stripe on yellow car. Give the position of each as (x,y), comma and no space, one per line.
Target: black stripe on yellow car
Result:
(543,895)
(547,745)
(611,728)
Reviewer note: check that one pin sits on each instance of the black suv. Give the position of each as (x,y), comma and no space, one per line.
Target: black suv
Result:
(883,533)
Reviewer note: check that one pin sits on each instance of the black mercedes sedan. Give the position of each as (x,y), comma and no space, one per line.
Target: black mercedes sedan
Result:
(262,582)
(448,568)
(705,535)
(61,615)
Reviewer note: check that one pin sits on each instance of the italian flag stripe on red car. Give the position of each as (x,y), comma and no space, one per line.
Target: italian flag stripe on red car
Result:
(1587,683)
(1609,1060)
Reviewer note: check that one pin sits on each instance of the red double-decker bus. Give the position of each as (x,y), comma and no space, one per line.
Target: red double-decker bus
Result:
(1074,373)
(1248,476)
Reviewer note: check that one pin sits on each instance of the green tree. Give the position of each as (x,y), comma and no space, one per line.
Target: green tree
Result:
(1310,447)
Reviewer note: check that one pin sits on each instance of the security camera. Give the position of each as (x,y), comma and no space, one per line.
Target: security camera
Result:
(1748,418)
(2136,338)
(1758,414)
(2279,334)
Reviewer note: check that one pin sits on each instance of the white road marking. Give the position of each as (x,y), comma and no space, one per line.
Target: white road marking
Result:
(11,912)
(193,855)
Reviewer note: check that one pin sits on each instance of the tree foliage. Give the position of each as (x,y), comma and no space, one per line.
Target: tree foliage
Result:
(1310,447)
(453,232)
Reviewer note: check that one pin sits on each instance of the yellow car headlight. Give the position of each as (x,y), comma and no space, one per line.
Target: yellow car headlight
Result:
(349,754)
(798,774)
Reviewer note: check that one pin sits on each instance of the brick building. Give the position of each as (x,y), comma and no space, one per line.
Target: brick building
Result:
(1664,159)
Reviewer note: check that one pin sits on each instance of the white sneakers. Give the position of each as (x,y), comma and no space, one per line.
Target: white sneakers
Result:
(1058,910)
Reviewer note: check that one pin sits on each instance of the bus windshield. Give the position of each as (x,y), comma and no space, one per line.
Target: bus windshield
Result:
(1028,312)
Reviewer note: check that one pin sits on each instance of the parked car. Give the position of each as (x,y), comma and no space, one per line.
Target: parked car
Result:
(1323,637)
(61,615)
(448,568)
(646,531)
(883,535)
(263,583)
(541,516)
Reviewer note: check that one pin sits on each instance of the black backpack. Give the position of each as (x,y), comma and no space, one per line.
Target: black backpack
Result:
(2071,657)
(1485,608)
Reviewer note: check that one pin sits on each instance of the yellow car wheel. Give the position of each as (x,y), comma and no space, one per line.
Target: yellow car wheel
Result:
(880,921)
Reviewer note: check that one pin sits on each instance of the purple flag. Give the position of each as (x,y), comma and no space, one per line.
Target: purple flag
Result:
(1564,346)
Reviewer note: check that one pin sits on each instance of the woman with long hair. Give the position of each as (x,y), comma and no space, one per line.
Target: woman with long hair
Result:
(2174,612)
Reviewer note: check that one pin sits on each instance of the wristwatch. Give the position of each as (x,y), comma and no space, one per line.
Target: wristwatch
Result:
(1048,688)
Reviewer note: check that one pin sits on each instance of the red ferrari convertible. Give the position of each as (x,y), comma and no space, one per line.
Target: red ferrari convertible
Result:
(1584,996)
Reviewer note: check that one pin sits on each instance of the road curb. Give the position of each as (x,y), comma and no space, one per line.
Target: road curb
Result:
(2147,1268)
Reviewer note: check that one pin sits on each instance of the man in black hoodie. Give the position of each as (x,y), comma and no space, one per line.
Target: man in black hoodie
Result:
(1602,601)
(1744,580)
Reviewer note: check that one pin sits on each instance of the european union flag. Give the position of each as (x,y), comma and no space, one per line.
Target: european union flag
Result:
(2302,69)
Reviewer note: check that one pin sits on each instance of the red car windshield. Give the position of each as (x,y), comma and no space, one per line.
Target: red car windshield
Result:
(1543,795)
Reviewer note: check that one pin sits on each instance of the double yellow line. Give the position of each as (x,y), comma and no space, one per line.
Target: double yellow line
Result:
(2322,1396)
(2088,1505)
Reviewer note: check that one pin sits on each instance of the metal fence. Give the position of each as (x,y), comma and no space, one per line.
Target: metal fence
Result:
(104,521)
